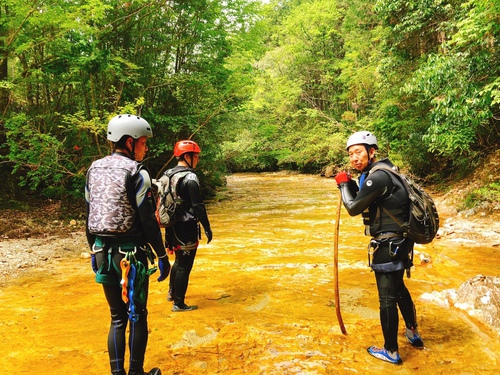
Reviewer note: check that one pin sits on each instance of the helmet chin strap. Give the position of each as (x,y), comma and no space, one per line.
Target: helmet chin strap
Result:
(131,152)
(370,159)
(189,164)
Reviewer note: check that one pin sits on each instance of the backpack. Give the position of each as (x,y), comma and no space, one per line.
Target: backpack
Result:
(423,221)
(169,205)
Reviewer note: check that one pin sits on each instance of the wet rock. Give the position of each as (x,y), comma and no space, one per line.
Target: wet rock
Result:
(480,297)
(425,258)
(443,298)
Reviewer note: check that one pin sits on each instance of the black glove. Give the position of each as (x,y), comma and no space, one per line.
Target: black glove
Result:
(164,265)
(208,233)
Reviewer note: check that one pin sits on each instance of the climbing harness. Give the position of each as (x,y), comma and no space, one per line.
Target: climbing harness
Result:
(134,276)
(394,242)
(185,247)
(130,274)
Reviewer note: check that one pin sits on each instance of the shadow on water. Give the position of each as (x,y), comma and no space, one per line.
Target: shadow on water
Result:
(264,288)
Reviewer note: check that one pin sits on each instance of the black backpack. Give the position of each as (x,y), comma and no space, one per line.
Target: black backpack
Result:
(169,205)
(423,221)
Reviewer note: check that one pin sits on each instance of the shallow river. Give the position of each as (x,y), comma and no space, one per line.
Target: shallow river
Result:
(265,291)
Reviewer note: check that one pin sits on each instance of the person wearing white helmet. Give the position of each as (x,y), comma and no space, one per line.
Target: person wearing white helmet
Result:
(389,249)
(121,229)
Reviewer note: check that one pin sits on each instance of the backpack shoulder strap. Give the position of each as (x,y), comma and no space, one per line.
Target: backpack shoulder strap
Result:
(400,178)
(383,167)
(392,171)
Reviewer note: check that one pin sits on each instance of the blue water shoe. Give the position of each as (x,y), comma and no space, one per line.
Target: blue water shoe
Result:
(414,339)
(384,355)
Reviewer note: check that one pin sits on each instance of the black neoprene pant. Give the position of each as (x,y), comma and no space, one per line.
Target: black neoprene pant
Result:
(179,275)
(392,294)
(138,335)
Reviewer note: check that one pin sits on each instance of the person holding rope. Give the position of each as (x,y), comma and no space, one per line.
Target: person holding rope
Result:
(388,249)
(121,228)
(183,237)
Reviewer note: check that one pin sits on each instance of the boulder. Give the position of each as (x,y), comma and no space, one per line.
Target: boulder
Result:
(480,297)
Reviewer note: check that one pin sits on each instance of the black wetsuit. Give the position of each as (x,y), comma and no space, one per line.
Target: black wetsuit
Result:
(183,237)
(110,247)
(390,248)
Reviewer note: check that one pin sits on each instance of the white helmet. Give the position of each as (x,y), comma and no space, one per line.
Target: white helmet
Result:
(362,138)
(130,125)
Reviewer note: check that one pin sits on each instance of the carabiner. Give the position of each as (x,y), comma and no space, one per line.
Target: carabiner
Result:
(372,245)
(125,267)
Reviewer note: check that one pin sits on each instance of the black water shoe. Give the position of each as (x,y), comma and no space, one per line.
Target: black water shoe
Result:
(155,371)
(185,307)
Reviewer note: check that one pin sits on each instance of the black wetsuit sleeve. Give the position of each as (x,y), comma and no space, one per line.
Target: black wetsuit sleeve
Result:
(375,185)
(146,212)
(90,236)
(196,202)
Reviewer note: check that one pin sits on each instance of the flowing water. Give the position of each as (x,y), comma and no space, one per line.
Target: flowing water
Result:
(265,291)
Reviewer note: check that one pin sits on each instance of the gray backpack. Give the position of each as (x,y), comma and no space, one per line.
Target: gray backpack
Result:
(169,205)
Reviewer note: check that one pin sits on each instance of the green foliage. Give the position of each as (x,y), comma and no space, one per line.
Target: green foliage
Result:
(482,197)
(457,109)
(393,67)
(416,25)
(297,92)
(73,65)
(250,148)
(437,93)
(34,151)
(259,85)
(359,68)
